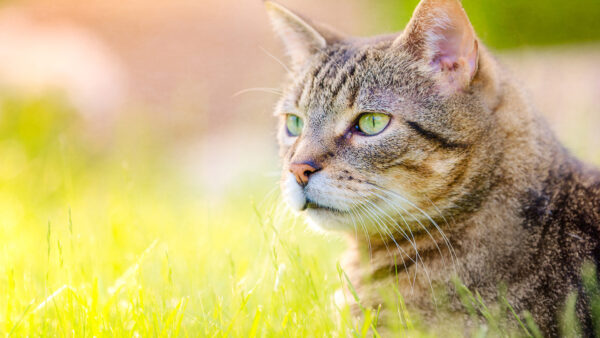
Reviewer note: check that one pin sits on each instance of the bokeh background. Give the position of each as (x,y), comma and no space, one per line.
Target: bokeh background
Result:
(182,62)
(138,162)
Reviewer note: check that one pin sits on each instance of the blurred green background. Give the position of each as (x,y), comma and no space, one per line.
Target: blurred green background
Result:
(507,24)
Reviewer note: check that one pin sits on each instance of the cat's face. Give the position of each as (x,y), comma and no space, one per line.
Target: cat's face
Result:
(376,130)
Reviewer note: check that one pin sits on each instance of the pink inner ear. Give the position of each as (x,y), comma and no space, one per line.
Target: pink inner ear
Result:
(447,49)
(454,50)
(441,34)
(444,63)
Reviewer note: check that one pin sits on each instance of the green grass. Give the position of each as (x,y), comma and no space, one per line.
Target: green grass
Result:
(107,239)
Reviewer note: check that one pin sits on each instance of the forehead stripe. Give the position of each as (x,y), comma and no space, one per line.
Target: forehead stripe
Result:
(300,89)
(309,77)
(331,69)
(351,70)
(322,67)
(323,64)
(353,95)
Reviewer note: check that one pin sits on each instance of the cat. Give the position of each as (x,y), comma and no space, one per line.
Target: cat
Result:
(424,151)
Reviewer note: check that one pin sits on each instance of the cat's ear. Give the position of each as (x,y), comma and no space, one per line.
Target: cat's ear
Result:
(301,38)
(440,33)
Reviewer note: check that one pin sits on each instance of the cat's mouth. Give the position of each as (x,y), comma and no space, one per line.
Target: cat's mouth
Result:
(312,205)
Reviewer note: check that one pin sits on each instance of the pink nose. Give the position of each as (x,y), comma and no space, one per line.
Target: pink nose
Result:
(303,170)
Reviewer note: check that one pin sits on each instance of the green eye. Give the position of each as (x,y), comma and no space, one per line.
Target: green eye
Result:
(294,124)
(372,123)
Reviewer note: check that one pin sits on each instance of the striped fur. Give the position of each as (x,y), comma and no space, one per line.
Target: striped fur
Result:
(467,180)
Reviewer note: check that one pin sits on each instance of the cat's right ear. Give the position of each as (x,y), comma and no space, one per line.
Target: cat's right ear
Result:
(300,38)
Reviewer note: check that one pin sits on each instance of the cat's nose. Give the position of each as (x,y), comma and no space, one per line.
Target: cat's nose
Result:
(303,170)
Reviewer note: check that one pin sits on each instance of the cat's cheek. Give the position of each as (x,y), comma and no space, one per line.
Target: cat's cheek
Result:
(293,193)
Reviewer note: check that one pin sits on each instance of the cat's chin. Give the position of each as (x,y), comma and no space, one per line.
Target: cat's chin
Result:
(323,219)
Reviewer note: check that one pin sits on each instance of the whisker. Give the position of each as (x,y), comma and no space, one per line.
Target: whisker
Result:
(444,237)
(354,224)
(445,221)
(397,226)
(267,198)
(287,69)
(417,256)
(382,225)
(370,215)
(364,227)
(393,221)
(259,89)
(413,242)
(408,226)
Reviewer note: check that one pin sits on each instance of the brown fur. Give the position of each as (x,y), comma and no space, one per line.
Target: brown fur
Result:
(466,180)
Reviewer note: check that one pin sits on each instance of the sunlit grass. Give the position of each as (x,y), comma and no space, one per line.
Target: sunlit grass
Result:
(107,239)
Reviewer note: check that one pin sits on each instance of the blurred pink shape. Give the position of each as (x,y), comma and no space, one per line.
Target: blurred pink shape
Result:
(37,57)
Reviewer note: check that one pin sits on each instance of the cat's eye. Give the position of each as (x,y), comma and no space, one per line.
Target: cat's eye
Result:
(294,124)
(372,123)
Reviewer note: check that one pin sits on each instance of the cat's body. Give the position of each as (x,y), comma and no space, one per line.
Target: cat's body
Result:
(534,242)
(457,176)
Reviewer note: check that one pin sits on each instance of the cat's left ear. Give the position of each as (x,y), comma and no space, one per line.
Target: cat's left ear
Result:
(301,38)
(440,33)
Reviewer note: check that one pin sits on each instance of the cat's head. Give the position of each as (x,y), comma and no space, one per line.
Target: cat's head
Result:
(382,128)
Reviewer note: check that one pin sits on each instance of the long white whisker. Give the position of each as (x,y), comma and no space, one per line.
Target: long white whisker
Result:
(364,228)
(445,238)
(266,199)
(259,89)
(373,206)
(371,216)
(413,242)
(382,225)
(396,226)
(380,229)
(408,226)
(445,221)
(287,69)
(417,257)
(427,275)
(395,223)
(351,212)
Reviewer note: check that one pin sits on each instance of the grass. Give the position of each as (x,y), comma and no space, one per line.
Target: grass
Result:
(107,239)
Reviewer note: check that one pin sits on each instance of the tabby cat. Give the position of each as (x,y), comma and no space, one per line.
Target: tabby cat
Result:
(421,149)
